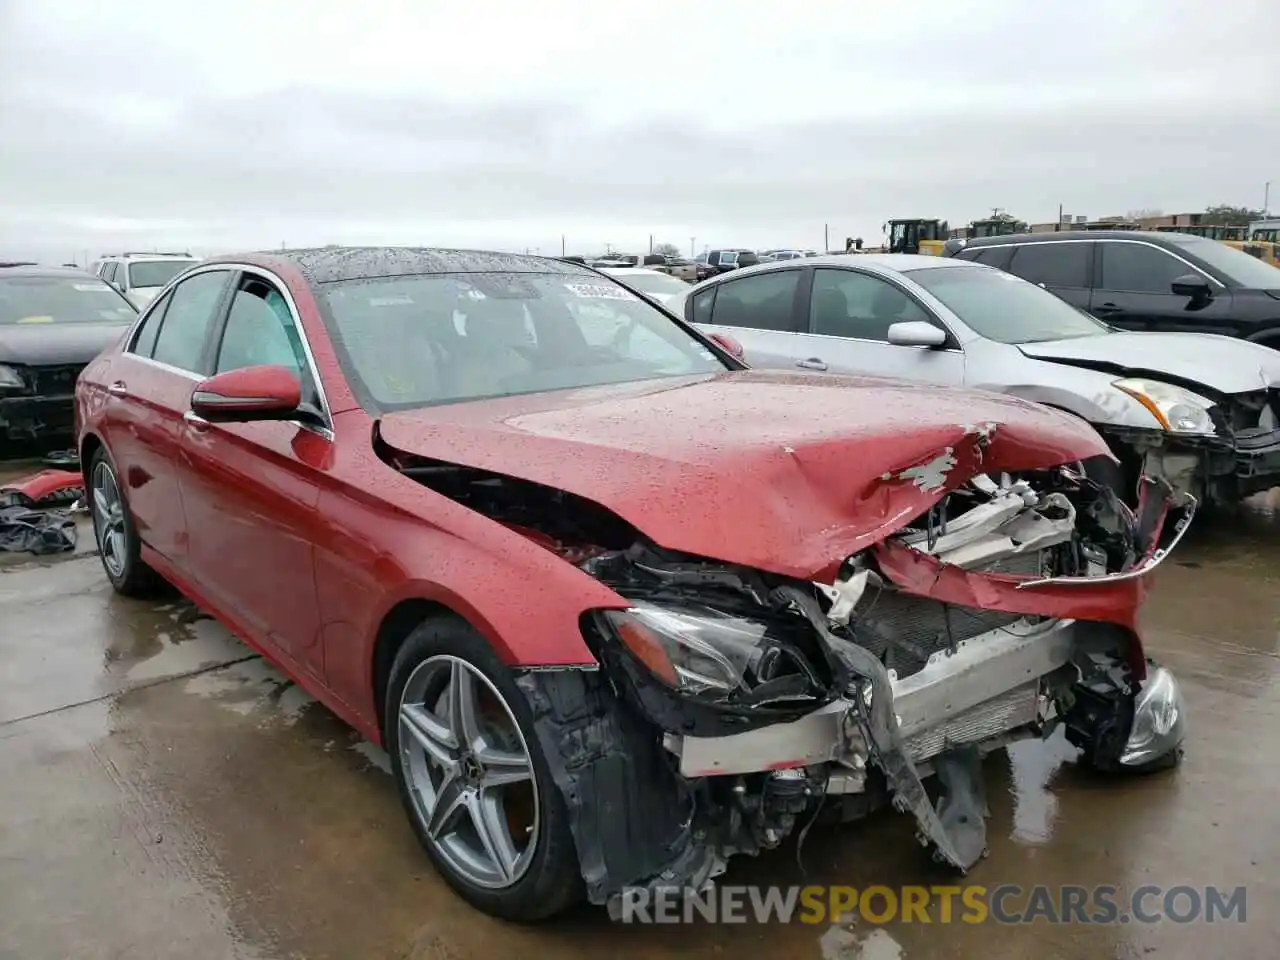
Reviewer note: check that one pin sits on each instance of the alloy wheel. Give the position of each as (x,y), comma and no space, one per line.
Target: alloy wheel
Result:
(108,520)
(469,772)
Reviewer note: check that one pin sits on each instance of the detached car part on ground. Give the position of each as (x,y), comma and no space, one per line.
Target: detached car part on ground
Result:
(617,607)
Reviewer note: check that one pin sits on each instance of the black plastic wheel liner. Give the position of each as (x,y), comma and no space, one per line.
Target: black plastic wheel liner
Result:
(630,813)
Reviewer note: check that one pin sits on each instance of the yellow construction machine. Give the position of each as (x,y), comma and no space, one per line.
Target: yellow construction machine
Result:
(916,235)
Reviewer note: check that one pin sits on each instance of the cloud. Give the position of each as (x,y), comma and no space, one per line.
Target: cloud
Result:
(511,129)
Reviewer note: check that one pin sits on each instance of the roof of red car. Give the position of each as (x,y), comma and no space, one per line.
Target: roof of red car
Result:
(334,264)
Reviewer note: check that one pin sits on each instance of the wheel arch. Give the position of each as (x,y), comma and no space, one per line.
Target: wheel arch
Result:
(393,630)
(90,444)
(1268,338)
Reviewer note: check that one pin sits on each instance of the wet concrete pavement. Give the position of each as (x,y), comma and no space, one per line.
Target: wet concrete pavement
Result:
(165,793)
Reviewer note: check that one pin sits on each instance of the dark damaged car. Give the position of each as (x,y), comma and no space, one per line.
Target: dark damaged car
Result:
(618,608)
(53,321)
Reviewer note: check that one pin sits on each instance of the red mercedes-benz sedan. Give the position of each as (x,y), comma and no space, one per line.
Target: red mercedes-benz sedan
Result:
(616,606)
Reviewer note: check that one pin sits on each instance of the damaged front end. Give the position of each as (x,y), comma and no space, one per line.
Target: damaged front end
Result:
(733,706)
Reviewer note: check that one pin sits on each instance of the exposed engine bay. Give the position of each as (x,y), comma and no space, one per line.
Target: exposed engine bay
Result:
(734,706)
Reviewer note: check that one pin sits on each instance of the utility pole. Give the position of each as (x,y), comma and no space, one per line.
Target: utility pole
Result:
(826,237)
(1266,198)
(562,244)
(693,247)
(651,243)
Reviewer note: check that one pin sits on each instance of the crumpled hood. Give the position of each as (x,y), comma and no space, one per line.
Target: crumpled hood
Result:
(38,344)
(1223,364)
(784,472)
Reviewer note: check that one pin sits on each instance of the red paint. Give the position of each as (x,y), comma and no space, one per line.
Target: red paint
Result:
(303,543)
(46,483)
(730,344)
(784,472)
(258,392)
(1114,601)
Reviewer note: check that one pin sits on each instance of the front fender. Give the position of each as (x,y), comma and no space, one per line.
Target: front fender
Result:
(1091,398)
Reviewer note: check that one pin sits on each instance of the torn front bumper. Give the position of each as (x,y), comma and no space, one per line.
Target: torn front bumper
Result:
(988,689)
(28,417)
(1217,469)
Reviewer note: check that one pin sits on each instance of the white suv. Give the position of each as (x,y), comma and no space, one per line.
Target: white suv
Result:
(139,276)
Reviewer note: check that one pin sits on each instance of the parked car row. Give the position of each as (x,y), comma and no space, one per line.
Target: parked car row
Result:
(618,606)
(1199,410)
(140,276)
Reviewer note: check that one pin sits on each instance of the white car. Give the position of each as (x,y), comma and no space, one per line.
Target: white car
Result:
(140,276)
(652,283)
(1200,411)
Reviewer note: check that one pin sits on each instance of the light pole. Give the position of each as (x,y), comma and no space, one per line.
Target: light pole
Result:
(1266,198)
(693,247)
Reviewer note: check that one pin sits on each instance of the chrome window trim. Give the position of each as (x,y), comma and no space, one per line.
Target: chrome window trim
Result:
(1143,243)
(262,273)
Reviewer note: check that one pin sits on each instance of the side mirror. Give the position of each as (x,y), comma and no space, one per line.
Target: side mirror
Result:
(916,333)
(728,344)
(1191,285)
(251,393)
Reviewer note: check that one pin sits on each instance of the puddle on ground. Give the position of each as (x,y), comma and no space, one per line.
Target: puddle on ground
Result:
(376,756)
(1032,766)
(252,687)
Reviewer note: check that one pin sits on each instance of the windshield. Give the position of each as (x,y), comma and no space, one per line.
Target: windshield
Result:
(654,282)
(1001,307)
(155,273)
(61,300)
(416,341)
(1238,266)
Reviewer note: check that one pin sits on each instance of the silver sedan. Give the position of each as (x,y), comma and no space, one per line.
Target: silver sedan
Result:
(1201,411)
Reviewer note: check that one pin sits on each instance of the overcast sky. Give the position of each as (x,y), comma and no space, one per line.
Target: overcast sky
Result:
(230,125)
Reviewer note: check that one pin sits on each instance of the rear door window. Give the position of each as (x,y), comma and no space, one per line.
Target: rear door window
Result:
(188,320)
(765,301)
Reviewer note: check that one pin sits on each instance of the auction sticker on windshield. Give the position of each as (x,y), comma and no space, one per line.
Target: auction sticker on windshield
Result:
(599,291)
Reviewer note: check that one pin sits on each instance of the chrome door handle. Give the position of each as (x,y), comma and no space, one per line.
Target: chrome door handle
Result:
(117,389)
(195,421)
(813,363)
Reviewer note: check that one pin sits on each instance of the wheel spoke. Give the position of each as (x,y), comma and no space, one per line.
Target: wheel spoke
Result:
(463,716)
(430,733)
(490,822)
(116,539)
(451,801)
(101,505)
(503,767)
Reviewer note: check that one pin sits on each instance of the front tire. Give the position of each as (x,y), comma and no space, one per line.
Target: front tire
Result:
(473,778)
(119,545)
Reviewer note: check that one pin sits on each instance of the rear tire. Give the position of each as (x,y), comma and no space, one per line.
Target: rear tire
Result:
(427,738)
(119,546)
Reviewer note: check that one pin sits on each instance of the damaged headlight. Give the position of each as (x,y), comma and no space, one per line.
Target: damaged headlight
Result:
(701,651)
(1175,409)
(11,378)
